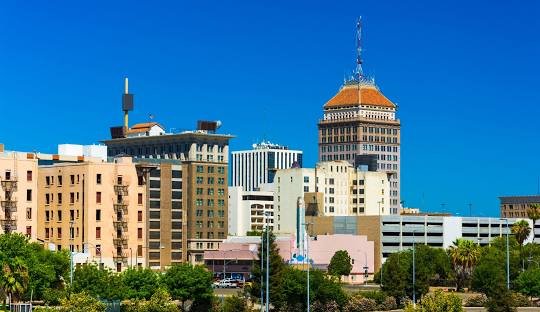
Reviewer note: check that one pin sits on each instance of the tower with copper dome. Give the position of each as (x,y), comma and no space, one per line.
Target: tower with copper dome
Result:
(360,126)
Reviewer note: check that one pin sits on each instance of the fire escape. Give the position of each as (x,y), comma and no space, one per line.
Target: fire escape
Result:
(120,241)
(9,204)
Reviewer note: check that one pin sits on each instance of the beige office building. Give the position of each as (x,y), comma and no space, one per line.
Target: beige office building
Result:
(95,208)
(18,194)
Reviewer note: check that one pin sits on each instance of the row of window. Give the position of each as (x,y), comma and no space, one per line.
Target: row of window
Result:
(210,213)
(210,191)
(343,130)
(209,235)
(210,169)
(210,180)
(209,224)
(209,202)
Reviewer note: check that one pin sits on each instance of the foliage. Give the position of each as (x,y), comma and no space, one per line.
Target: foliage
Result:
(520,300)
(53,296)
(98,283)
(276,266)
(140,283)
(186,282)
(521,231)
(43,309)
(476,301)
(293,289)
(81,302)
(533,213)
(502,302)
(489,276)
(464,255)
(383,302)
(236,303)
(398,271)
(159,302)
(340,264)
(437,302)
(44,269)
(359,303)
(331,306)
(528,282)
(14,278)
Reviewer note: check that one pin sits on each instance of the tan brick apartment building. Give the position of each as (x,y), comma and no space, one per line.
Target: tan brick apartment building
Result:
(95,207)
(516,206)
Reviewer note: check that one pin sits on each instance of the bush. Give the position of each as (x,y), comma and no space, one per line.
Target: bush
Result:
(52,297)
(437,302)
(383,301)
(389,303)
(360,304)
(81,302)
(476,301)
(501,303)
(43,309)
(520,300)
(159,302)
(236,304)
(330,306)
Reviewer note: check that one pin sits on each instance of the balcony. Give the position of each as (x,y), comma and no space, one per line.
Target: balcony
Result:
(9,205)
(123,208)
(121,189)
(122,224)
(120,241)
(9,185)
(120,257)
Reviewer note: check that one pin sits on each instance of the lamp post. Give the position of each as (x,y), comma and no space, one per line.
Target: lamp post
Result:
(507,256)
(266,214)
(262,265)
(414,269)
(71,253)
(306,225)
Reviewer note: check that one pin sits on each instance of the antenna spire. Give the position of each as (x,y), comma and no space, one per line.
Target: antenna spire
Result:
(359,72)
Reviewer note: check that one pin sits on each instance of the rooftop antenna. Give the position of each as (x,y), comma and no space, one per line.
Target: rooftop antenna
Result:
(359,73)
(127,103)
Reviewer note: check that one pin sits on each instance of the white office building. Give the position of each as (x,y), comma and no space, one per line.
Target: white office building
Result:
(249,169)
(249,210)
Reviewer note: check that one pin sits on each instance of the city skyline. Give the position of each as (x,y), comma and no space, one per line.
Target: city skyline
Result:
(464,86)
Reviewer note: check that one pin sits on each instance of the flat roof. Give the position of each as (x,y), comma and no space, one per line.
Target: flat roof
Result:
(172,136)
(527,199)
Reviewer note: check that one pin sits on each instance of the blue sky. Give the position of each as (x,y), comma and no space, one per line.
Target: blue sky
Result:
(464,74)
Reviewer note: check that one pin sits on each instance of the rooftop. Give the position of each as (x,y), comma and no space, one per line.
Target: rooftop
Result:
(353,95)
(528,199)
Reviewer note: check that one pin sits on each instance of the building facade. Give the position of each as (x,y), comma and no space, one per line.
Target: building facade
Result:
(360,120)
(18,193)
(333,188)
(96,208)
(250,211)
(250,169)
(203,159)
(516,206)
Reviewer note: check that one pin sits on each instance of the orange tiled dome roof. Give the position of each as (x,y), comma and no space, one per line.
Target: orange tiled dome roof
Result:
(355,94)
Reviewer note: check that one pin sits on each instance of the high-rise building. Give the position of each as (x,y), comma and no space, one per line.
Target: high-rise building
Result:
(94,207)
(187,192)
(250,211)
(360,120)
(250,169)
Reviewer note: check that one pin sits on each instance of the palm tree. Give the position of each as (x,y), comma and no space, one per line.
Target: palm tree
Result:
(533,213)
(521,231)
(464,255)
(14,278)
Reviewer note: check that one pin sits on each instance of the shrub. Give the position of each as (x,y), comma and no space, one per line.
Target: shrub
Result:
(476,301)
(437,302)
(501,303)
(81,302)
(236,304)
(520,300)
(360,304)
(330,306)
(52,297)
(43,309)
(389,303)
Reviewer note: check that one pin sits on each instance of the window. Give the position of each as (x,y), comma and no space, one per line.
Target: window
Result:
(71,197)
(98,232)
(198,213)
(47,233)
(98,250)
(29,231)
(200,169)
(59,180)
(139,216)
(28,213)
(98,197)
(199,180)
(210,180)
(98,178)
(306,188)
(306,179)
(28,195)
(29,175)
(98,214)
(71,215)
(139,233)
(47,180)
(139,199)
(210,191)
(59,232)
(72,179)
(59,198)
(59,213)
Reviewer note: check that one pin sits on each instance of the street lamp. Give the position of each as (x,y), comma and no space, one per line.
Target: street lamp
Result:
(71,253)
(266,214)
(414,269)
(306,225)
(507,255)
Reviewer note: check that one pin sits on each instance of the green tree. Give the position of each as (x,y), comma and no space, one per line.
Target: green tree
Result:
(533,213)
(98,283)
(521,231)
(291,292)
(161,301)
(189,283)
(276,265)
(489,276)
(528,282)
(140,283)
(464,255)
(437,302)
(236,303)
(394,279)
(340,264)
(14,278)
(81,302)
